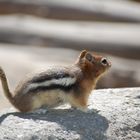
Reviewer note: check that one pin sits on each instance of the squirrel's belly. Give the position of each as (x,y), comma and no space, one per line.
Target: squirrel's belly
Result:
(50,99)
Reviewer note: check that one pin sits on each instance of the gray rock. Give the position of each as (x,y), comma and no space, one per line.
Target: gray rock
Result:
(116,116)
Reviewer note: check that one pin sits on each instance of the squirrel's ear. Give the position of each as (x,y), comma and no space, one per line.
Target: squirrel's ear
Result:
(82,54)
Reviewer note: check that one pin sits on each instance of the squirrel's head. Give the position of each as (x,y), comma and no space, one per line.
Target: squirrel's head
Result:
(93,64)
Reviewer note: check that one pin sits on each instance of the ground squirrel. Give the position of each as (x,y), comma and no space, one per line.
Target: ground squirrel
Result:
(71,84)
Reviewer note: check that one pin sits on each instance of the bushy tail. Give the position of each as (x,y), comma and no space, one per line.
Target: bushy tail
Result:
(5,85)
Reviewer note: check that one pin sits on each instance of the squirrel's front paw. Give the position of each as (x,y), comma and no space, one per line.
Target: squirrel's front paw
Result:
(40,111)
(87,110)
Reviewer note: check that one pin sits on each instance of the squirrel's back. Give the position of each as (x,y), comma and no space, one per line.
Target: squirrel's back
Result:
(60,77)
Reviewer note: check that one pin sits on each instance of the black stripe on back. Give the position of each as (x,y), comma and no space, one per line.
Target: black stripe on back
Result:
(51,87)
(44,77)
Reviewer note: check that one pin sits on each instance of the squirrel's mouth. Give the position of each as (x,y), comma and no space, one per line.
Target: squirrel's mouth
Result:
(109,64)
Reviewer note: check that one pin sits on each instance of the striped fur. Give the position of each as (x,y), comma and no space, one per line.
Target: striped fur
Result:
(65,84)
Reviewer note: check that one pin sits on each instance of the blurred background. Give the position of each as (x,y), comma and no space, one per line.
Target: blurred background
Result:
(37,33)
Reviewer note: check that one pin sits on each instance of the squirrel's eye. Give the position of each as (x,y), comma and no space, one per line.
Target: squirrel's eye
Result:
(89,57)
(104,61)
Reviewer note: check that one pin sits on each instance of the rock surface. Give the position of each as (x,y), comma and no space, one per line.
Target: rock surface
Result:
(116,116)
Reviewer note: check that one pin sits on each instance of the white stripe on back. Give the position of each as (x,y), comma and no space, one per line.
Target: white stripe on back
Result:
(66,81)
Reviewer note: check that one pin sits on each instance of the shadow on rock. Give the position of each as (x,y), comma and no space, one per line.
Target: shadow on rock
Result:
(88,125)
